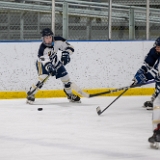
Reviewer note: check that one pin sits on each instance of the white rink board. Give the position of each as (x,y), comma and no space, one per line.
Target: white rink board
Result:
(95,64)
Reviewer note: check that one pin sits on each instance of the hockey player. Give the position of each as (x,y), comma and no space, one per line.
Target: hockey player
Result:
(148,68)
(49,64)
(151,70)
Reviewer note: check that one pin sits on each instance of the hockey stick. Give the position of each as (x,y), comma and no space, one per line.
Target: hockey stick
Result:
(79,90)
(98,109)
(119,89)
(39,84)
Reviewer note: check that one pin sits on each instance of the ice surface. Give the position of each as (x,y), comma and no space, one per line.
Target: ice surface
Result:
(74,131)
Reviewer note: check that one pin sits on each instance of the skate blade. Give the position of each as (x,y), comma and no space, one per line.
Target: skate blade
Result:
(29,102)
(155,145)
(74,101)
(149,108)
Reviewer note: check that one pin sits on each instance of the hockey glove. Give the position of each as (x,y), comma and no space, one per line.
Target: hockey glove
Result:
(139,77)
(65,58)
(51,69)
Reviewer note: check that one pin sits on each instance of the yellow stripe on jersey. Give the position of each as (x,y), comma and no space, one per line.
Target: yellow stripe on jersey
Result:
(156,121)
(40,68)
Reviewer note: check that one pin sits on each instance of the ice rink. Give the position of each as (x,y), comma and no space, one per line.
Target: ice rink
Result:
(74,131)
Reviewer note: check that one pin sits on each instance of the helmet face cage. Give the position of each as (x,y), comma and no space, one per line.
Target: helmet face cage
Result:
(47,32)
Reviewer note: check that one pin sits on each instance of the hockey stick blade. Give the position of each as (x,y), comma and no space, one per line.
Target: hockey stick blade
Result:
(98,109)
(119,89)
(41,83)
(99,112)
(79,90)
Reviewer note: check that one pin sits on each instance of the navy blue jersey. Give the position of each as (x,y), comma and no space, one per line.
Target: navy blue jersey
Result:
(59,44)
(151,63)
(152,57)
(42,48)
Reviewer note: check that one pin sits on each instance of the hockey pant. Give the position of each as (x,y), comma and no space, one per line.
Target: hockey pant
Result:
(156,112)
(60,73)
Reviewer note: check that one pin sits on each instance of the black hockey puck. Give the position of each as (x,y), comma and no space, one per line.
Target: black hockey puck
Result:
(40,109)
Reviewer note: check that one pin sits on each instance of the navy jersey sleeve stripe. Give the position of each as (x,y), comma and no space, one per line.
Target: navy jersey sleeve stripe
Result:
(70,48)
(41,50)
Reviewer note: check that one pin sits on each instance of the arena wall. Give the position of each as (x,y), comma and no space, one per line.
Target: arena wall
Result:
(95,66)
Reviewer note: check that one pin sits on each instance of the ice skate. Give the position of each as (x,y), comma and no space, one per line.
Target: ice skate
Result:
(30,98)
(155,139)
(72,97)
(148,105)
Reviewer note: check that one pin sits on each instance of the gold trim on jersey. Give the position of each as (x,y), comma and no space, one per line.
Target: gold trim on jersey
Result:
(156,107)
(40,68)
(156,121)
